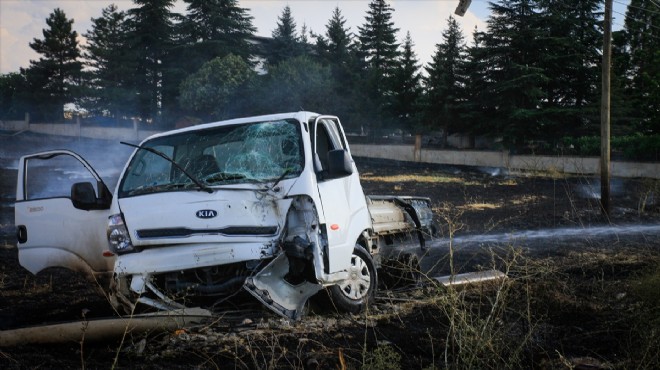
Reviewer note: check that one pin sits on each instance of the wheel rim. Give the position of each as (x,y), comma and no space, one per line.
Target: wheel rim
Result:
(359,280)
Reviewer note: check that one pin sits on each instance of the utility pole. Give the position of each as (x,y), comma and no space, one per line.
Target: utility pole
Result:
(605,113)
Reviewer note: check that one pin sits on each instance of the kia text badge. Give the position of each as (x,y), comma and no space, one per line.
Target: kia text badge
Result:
(206,213)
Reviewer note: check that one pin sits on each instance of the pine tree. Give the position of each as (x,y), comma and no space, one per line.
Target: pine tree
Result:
(335,46)
(407,88)
(337,49)
(445,81)
(54,78)
(106,54)
(379,52)
(642,27)
(150,40)
(475,112)
(286,43)
(215,28)
(514,72)
(570,36)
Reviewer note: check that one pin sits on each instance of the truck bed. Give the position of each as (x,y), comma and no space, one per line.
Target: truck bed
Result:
(398,214)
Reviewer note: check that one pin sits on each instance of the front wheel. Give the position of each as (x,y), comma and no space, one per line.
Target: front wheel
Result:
(355,293)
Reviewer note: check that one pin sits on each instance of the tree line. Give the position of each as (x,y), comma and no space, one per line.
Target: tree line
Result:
(533,75)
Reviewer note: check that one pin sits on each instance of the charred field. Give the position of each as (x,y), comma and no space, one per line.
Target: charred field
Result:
(582,290)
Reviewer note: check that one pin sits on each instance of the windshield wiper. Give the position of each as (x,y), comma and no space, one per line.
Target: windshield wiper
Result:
(223,176)
(282,176)
(199,184)
(157,188)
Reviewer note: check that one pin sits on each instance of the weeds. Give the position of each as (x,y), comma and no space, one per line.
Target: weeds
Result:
(383,357)
(649,196)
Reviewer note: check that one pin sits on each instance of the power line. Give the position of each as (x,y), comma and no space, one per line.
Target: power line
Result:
(639,8)
(639,21)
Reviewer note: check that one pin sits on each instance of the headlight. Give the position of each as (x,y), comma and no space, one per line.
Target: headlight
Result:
(118,237)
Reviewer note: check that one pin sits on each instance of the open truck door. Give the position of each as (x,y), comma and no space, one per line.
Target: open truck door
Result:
(61,214)
(342,198)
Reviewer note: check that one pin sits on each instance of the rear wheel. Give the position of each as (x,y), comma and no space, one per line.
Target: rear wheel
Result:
(354,294)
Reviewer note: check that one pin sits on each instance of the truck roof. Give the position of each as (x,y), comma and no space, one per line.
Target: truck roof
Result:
(303,116)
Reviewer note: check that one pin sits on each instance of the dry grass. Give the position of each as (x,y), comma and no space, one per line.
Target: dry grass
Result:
(427,179)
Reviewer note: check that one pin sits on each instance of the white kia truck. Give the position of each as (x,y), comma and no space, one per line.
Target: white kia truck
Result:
(271,205)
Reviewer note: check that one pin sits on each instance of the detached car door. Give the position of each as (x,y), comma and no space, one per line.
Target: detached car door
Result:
(61,214)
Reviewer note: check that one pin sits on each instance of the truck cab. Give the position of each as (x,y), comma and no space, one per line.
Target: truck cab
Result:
(270,204)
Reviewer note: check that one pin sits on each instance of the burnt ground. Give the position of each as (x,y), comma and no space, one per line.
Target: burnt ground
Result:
(585,299)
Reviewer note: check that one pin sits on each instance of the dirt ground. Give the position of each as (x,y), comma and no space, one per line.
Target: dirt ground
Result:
(586,299)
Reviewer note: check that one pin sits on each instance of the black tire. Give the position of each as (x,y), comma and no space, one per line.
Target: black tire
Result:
(355,294)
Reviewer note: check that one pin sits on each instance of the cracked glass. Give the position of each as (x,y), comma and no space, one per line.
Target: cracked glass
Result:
(247,153)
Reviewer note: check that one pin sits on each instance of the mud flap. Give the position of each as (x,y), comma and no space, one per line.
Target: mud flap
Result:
(271,289)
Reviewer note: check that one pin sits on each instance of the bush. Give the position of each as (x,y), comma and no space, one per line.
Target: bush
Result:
(631,147)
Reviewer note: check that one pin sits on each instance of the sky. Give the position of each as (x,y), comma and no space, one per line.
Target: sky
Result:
(21,21)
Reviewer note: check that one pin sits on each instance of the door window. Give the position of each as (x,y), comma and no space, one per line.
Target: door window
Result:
(327,139)
(53,177)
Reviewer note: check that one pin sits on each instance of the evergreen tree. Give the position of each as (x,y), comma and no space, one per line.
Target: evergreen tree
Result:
(285,43)
(642,27)
(624,113)
(475,111)
(106,54)
(150,40)
(407,88)
(215,28)
(512,46)
(54,78)
(337,49)
(570,36)
(13,100)
(445,82)
(379,51)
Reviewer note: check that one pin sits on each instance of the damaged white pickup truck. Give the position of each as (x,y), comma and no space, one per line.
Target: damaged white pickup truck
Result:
(271,204)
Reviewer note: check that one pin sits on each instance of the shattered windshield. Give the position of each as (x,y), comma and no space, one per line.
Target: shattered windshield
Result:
(248,153)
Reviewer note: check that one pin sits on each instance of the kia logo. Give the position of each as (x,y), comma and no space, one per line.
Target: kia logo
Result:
(206,213)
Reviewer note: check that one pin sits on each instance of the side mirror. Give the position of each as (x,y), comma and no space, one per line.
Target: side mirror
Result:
(339,164)
(83,196)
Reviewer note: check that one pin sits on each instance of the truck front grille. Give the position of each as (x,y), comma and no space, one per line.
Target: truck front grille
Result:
(182,232)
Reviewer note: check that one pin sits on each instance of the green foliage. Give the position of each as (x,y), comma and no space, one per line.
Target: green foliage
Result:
(295,84)
(214,28)
(108,81)
(336,47)
(573,66)
(512,53)
(642,84)
(338,50)
(631,147)
(445,82)
(54,77)
(286,43)
(13,102)
(150,39)
(405,105)
(214,88)
(533,75)
(383,358)
(379,51)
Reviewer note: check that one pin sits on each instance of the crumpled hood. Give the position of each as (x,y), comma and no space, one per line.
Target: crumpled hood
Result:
(200,217)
